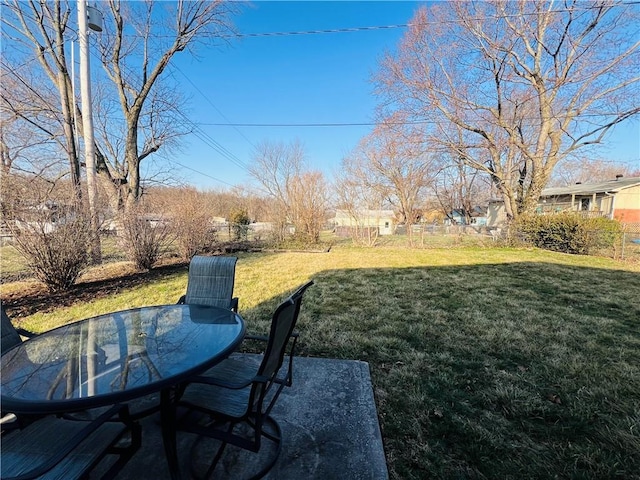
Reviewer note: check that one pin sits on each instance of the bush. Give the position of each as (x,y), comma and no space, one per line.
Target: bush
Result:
(144,239)
(239,220)
(193,238)
(56,251)
(191,220)
(569,232)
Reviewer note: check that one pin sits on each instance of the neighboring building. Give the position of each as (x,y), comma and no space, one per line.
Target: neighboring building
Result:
(457,217)
(381,220)
(496,213)
(259,227)
(618,199)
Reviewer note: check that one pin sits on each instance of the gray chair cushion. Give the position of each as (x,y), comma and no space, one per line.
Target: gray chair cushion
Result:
(211,281)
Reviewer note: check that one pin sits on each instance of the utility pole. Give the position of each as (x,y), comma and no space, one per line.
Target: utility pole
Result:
(87,124)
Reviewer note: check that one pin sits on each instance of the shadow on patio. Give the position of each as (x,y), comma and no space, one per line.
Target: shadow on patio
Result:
(329,423)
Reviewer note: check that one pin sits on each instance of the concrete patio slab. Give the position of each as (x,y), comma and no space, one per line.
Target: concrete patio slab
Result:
(329,425)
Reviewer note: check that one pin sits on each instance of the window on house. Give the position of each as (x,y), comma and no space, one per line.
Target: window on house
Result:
(584,204)
(386,224)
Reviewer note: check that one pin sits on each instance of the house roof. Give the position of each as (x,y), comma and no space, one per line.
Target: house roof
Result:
(477,211)
(366,213)
(611,186)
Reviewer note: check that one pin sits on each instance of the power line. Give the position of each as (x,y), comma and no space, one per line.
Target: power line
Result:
(361,124)
(212,143)
(210,102)
(203,174)
(371,27)
(319,32)
(407,25)
(349,124)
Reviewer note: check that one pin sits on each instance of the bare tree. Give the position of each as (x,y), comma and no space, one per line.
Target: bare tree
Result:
(308,199)
(589,170)
(527,82)
(137,45)
(299,195)
(28,145)
(355,196)
(42,27)
(392,160)
(460,187)
(135,64)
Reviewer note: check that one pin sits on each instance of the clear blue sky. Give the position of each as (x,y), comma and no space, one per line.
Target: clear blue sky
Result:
(293,79)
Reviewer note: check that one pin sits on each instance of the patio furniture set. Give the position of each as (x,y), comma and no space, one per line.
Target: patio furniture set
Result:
(69,395)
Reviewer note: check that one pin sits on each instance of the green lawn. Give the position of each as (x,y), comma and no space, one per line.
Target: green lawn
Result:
(486,363)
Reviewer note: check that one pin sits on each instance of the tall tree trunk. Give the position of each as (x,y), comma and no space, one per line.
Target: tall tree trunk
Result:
(69,134)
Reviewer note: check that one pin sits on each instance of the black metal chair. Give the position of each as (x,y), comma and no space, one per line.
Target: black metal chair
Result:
(11,335)
(57,448)
(237,391)
(211,282)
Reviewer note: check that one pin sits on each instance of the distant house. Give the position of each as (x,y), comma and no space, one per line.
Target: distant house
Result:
(496,213)
(618,199)
(478,217)
(259,227)
(44,217)
(383,221)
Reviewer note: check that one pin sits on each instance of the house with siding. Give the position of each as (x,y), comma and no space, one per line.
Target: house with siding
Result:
(382,221)
(478,216)
(618,199)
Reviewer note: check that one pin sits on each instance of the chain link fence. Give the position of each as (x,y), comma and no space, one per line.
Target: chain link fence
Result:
(630,244)
(626,248)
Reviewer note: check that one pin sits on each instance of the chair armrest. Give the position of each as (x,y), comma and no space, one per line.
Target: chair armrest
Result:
(9,421)
(260,338)
(288,378)
(25,333)
(218,382)
(234,304)
(265,338)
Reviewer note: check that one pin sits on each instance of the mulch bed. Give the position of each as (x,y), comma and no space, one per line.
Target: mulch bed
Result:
(39,299)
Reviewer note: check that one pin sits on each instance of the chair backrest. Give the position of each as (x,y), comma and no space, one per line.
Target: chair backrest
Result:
(211,281)
(282,325)
(10,336)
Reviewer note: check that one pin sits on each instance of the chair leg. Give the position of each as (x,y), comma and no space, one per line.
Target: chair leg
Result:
(125,452)
(275,437)
(216,458)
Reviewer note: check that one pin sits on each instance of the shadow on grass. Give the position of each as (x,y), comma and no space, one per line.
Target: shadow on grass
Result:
(525,370)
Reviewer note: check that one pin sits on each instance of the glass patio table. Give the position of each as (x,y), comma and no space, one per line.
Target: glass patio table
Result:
(119,357)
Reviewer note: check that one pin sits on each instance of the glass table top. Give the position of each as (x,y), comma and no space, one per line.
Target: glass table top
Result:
(116,357)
